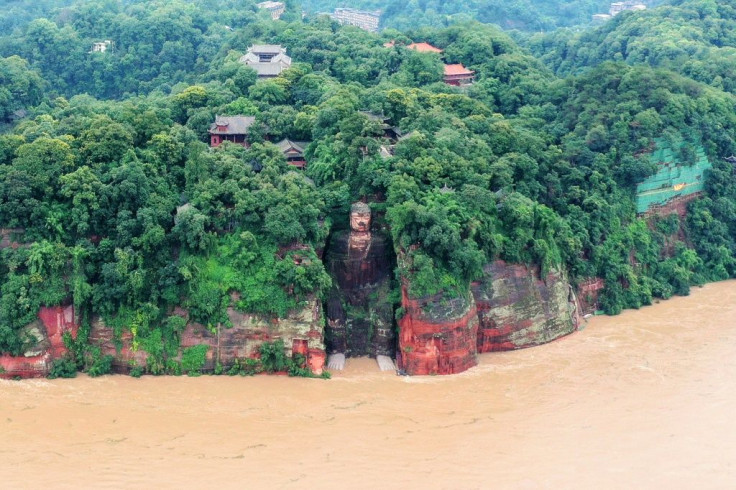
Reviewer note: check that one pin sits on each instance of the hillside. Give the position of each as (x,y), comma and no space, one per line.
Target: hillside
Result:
(116,198)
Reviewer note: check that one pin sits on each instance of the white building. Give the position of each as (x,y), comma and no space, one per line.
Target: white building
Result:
(275,8)
(102,47)
(367,20)
(618,7)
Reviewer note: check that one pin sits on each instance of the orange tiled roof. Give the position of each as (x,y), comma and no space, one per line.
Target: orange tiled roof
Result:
(457,69)
(424,48)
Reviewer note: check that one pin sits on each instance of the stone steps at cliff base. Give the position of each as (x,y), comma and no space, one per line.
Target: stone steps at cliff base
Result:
(385,363)
(336,362)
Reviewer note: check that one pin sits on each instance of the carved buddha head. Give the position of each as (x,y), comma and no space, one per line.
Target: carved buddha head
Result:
(360,217)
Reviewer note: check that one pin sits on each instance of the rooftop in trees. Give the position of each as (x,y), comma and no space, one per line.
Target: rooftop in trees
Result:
(424,48)
(268,60)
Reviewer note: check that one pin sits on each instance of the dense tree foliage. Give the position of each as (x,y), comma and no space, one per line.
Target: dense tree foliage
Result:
(525,15)
(696,38)
(126,212)
(20,88)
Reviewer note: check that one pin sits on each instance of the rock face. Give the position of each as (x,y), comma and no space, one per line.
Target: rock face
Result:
(359,310)
(302,332)
(49,333)
(103,336)
(588,292)
(511,307)
(517,309)
(437,336)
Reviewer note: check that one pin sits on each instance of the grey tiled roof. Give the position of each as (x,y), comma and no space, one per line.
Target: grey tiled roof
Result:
(265,48)
(234,124)
(285,144)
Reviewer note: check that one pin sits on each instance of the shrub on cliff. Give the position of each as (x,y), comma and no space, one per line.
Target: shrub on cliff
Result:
(63,368)
(193,359)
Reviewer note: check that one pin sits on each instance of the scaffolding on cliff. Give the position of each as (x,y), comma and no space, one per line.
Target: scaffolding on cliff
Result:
(674,178)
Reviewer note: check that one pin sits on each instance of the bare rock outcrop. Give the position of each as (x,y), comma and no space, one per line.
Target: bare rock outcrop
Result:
(48,331)
(517,308)
(437,336)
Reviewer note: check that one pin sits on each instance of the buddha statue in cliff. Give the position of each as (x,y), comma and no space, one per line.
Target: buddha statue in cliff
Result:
(359,313)
(360,218)
(360,230)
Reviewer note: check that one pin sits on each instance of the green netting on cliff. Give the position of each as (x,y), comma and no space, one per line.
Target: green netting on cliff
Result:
(675,178)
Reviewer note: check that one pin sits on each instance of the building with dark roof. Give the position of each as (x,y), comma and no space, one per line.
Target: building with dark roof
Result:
(230,128)
(293,152)
(268,60)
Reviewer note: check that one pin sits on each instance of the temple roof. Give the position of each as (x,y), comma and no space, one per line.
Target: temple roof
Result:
(285,144)
(375,117)
(273,67)
(267,48)
(457,69)
(233,124)
(424,48)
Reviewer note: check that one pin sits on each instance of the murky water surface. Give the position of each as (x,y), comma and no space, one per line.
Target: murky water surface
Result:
(642,400)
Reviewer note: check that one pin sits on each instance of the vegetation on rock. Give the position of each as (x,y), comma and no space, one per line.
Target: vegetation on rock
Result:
(127,213)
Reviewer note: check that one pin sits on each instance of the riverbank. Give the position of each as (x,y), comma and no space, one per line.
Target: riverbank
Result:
(641,400)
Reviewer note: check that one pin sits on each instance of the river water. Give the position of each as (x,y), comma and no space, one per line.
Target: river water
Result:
(641,400)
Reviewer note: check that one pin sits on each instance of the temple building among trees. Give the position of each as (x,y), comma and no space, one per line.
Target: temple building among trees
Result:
(424,48)
(294,152)
(102,46)
(268,60)
(230,128)
(618,7)
(458,75)
(454,74)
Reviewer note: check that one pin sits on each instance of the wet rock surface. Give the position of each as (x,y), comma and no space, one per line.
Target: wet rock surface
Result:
(517,308)
(301,331)
(437,336)
(48,331)
(510,307)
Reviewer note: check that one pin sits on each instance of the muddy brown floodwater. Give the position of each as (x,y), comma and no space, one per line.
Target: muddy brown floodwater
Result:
(641,400)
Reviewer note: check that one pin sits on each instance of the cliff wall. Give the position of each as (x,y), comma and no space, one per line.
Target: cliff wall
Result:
(302,332)
(359,309)
(511,307)
(588,292)
(517,308)
(48,331)
(11,237)
(437,336)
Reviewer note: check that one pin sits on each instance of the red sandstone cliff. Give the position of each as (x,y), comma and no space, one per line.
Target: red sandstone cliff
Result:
(517,308)
(301,331)
(511,307)
(48,331)
(437,336)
